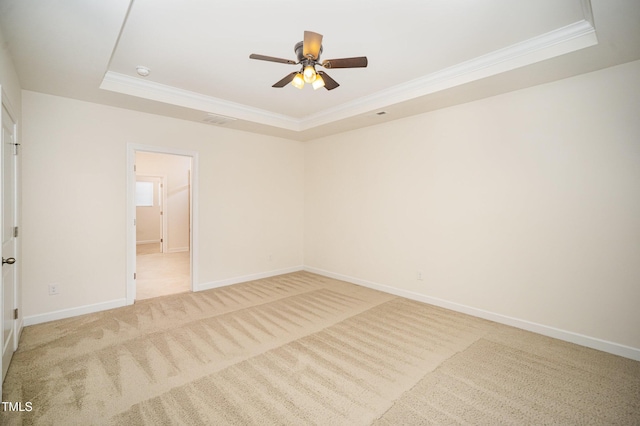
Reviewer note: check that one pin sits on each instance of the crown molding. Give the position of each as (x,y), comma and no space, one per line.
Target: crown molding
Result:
(558,42)
(555,43)
(146,89)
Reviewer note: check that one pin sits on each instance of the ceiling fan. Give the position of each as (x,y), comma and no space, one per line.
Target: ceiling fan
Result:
(308,54)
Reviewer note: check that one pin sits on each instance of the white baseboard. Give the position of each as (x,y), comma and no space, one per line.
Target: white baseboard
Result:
(177,250)
(148,242)
(97,307)
(73,312)
(568,336)
(245,278)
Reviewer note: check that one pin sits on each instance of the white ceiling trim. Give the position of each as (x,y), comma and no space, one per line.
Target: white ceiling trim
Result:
(554,43)
(136,86)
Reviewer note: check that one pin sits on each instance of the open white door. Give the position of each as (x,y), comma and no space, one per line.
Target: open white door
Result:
(9,234)
(149,211)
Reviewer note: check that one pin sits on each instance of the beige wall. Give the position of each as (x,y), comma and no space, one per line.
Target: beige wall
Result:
(175,169)
(525,205)
(250,207)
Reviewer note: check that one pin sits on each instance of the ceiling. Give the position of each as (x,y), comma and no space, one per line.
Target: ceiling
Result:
(423,54)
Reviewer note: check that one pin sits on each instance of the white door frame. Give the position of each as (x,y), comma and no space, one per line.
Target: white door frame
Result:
(17,323)
(131,213)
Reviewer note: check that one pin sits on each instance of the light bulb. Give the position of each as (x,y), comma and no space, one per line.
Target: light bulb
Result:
(309,74)
(318,83)
(298,81)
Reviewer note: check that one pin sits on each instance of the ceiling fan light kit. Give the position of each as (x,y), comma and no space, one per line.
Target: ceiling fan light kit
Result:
(318,82)
(308,54)
(309,74)
(298,81)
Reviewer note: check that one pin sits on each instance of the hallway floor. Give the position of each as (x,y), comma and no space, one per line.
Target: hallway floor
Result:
(160,274)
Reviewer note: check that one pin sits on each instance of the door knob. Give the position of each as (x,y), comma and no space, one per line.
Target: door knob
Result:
(10,260)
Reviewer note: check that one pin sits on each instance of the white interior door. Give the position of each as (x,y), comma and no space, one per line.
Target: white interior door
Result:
(8,153)
(149,210)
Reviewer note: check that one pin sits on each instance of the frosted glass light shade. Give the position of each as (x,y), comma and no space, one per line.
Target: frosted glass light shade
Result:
(309,74)
(298,81)
(318,83)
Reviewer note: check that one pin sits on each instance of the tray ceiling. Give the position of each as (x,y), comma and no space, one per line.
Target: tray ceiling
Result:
(422,54)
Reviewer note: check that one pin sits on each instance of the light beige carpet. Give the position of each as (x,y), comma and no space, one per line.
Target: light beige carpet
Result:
(305,349)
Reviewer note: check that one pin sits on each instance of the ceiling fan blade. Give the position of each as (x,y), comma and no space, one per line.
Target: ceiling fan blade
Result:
(329,83)
(271,59)
(312,44)
(359,62)
(285,80)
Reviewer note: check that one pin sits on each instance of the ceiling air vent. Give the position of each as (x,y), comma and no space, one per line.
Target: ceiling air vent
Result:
(219,120)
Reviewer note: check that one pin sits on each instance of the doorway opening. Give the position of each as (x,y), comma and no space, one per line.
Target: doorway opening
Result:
(161,205)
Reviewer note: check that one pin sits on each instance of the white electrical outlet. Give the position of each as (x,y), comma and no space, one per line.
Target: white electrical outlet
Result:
(270,258)
(419,276)
(53,289)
